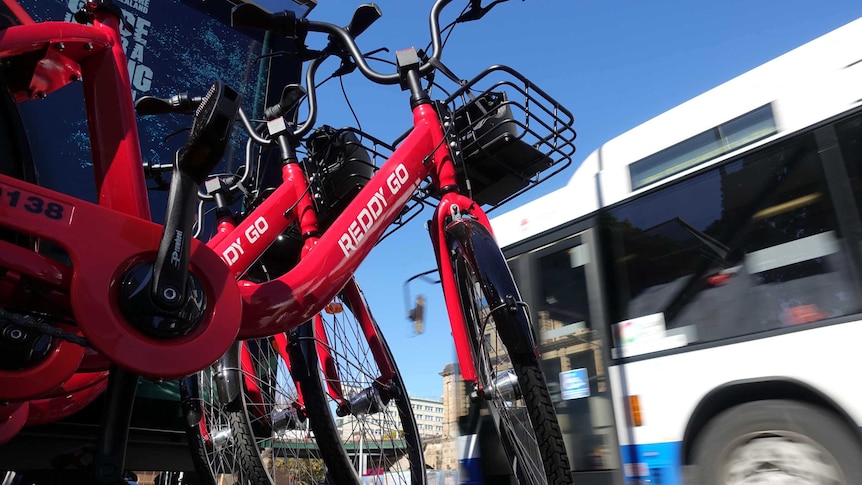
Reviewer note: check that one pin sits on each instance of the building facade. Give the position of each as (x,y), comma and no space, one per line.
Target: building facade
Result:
(429,416)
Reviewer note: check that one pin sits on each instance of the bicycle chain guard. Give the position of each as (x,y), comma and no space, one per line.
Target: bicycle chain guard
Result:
(103,244)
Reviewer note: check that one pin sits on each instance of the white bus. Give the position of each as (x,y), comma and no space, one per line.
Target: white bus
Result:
(697,286)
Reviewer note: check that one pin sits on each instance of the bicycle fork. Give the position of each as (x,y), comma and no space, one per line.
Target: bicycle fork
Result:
(454,220)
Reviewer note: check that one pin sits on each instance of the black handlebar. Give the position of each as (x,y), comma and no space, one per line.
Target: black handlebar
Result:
(286,23)
(342,43)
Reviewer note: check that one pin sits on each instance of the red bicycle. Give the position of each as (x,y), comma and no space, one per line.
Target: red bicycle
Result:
(59,258)
(153,301)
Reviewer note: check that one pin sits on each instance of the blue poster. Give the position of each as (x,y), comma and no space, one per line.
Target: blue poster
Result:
(575,384)
(176,46)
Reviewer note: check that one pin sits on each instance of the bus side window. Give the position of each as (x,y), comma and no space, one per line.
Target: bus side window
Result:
(849,133)
(563,288)
(748,246)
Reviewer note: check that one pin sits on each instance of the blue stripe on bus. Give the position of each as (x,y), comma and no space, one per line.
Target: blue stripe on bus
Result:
(655,463)
(470,461)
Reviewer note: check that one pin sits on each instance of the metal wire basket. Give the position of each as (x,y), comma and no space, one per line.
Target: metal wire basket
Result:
(511,135)
(340,162)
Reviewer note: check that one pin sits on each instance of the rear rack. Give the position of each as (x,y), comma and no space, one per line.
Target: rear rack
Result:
(510,133)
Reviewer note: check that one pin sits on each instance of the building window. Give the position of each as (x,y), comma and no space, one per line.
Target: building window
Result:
(726,137)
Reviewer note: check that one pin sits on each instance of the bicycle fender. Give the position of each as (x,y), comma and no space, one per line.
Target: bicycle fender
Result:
(484,255)
(228,376)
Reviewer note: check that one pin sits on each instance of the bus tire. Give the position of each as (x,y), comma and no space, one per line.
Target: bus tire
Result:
(779,437)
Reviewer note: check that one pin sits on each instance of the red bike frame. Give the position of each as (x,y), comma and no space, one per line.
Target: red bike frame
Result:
(259,227)
(288,301)
(102,240)
(109,238)
(112,236)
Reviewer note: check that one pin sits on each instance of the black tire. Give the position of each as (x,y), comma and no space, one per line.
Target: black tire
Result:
(265,439)
(392,427)
(504,352)
(212,448)
(795,439)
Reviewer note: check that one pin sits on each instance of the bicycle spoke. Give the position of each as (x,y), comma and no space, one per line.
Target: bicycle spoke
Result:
(286,445)
(213,441)
(376,429)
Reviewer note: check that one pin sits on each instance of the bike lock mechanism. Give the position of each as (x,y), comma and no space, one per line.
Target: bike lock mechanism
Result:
(22,345)
(162,298)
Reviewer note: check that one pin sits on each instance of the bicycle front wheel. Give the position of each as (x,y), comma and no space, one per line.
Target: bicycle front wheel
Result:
(505,357)
(351,383)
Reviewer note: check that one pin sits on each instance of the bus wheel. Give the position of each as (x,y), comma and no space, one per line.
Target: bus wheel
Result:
(777,441)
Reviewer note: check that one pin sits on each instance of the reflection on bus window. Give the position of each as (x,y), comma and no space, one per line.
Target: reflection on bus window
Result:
(849,132)
(746,247)
(726,137)
(572,354)
(563,299)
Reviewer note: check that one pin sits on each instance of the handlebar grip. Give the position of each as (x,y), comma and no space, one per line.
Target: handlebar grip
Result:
(250,16)
(290,96)
(181,103)
(364,15)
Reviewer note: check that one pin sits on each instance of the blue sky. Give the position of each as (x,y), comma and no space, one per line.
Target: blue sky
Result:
(613,63)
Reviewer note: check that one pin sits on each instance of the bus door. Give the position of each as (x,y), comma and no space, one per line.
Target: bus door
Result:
(560,281)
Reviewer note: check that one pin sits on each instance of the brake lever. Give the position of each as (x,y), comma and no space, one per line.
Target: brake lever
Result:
(477,11)
(348,66)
